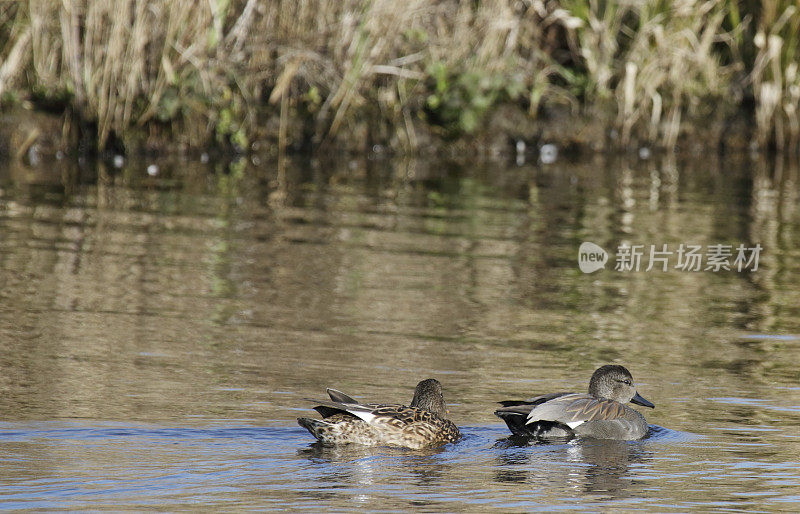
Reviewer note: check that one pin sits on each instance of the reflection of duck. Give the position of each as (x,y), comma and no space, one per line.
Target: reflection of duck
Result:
(583,466)
(609,465)
(600,414)
(421,425)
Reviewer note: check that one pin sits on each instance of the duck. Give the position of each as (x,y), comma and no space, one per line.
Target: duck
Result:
(420,425)
(603,413)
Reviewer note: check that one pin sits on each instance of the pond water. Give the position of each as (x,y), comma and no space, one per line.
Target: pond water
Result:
(158,334)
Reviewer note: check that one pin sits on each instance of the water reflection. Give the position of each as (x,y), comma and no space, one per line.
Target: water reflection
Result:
(593,467)
(359,473)
(229,291)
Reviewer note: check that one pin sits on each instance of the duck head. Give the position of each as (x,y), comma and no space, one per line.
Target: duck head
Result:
(428,396)
(614,382)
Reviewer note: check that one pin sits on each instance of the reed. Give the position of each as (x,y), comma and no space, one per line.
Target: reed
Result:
(655,59)
(775,78)
(219,71)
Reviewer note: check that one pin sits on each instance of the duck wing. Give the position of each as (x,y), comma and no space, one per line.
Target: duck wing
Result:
(340,397)
(330,408)
(395,414)
(575,409)
(532,402)
(515,414)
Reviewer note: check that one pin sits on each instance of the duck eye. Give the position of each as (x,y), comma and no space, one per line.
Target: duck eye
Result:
(628,382)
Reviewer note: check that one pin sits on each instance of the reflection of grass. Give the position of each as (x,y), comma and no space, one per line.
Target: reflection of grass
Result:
(201,72)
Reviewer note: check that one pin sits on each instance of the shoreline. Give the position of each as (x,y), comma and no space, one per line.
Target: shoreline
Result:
(28,134)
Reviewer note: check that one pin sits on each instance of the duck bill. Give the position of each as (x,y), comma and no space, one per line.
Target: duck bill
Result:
(638,400)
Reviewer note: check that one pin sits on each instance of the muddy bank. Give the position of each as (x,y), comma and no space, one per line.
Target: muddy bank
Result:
(28,135)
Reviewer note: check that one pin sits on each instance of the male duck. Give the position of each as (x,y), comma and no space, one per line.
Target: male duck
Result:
(601,414)
(422,425)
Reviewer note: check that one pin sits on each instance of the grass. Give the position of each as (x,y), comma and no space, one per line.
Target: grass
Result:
(775,77)
(149,72)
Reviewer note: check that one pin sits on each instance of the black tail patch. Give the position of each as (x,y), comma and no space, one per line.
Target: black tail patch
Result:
(512,403)
(515,422)
(312,425)
(540,429)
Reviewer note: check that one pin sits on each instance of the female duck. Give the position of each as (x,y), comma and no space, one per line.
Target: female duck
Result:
(421,425)
(602,414)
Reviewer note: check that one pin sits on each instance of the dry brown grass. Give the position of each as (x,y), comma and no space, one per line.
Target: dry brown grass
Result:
(775,75)
(131,62)
(126,62)
(203,71)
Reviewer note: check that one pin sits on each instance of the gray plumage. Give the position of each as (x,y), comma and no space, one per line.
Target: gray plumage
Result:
(601,413)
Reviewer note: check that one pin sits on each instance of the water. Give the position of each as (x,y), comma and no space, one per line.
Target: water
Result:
(158,333)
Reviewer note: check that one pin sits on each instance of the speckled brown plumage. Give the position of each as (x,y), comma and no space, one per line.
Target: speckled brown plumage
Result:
(412,427)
